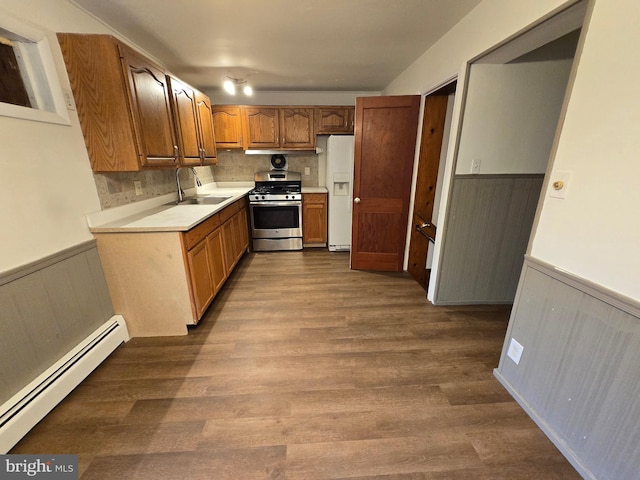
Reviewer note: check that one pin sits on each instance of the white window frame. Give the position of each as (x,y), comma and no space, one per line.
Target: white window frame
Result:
(38,69)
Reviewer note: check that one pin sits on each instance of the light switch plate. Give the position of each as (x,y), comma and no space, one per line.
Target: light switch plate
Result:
(138,186)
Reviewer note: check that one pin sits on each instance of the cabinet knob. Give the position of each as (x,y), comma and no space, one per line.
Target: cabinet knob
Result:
(356,200)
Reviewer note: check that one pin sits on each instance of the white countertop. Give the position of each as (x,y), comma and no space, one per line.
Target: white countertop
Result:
(314,190)
(161,214)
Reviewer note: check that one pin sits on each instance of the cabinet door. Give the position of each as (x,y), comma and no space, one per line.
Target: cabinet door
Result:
(261,127)
(153,120)
(314,218)
(95,72)
(184,111)
(334,120)
(244,230)
(229,239)
(217,263)
(297,127)
(239,234)
(227,125)
(205,121)
(202,286)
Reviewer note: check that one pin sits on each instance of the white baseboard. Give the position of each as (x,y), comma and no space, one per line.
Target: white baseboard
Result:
(26,408)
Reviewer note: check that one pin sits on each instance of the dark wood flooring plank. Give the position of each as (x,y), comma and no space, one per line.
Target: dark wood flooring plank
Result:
(304,369)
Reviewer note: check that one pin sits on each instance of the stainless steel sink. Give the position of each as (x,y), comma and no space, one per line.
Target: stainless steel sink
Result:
(204,200)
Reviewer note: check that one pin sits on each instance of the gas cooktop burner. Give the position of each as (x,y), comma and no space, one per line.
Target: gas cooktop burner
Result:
(257,195)
(276,185)
(274,189)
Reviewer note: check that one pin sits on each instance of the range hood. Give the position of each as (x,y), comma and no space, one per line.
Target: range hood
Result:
(315,151)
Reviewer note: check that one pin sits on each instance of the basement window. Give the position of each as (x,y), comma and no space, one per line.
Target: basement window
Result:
(12,86)
(29,85)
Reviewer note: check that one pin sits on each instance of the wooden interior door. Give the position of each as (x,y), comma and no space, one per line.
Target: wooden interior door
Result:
(385,140)
(423,231)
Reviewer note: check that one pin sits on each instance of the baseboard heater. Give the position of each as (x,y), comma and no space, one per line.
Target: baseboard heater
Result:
(26,408)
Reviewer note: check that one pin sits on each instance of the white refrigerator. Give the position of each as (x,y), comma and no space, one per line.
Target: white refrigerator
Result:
(340,187)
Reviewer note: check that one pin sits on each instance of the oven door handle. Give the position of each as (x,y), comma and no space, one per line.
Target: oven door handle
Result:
(277,204)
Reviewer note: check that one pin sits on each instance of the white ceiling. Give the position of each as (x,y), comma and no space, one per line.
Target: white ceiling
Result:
(284,45)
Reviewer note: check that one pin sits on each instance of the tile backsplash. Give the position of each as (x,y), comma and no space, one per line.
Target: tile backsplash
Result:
(236,166)
(116,189)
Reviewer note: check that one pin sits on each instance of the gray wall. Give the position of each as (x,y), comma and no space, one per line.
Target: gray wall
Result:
(47,308)
(488,227)
(578,376)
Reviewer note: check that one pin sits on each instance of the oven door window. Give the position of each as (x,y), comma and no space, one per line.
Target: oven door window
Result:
(275,217)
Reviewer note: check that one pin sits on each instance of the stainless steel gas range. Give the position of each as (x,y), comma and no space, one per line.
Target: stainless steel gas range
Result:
(275,206)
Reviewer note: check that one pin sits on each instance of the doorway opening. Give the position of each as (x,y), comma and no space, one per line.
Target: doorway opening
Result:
(512,102)
(436,127)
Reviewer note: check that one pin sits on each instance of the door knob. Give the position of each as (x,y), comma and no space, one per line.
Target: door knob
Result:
(356,200)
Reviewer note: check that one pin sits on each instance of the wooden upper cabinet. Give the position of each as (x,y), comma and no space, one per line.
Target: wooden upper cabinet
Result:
(335,120)
(205,122)
(297,128)
(192,113)
(227,124)
(186,117)
(279,127)
(123,103)
(151,105)
(261,127)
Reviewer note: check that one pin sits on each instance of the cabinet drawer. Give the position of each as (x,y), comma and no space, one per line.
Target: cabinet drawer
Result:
(314,197)
(229,211)
(242,203)
(197,233)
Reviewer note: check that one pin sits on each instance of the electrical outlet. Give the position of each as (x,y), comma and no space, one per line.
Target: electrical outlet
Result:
(515,351)
(138,186)
(307,171)
(475,166)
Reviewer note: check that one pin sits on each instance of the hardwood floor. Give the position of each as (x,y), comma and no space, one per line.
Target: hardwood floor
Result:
(304,369)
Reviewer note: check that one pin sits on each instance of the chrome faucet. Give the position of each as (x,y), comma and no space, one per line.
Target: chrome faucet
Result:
(195,174)
(180,191)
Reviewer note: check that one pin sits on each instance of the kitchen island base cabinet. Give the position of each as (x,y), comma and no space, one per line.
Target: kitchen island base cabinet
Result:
(160,282)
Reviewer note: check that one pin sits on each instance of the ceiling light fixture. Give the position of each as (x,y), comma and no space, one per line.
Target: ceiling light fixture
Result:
(231,83)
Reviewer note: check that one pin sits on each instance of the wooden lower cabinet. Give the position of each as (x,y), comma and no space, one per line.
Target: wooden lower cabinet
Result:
(216,254)
(202,285)
(207,268)
(160,282)
(215,248)
(314,219)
